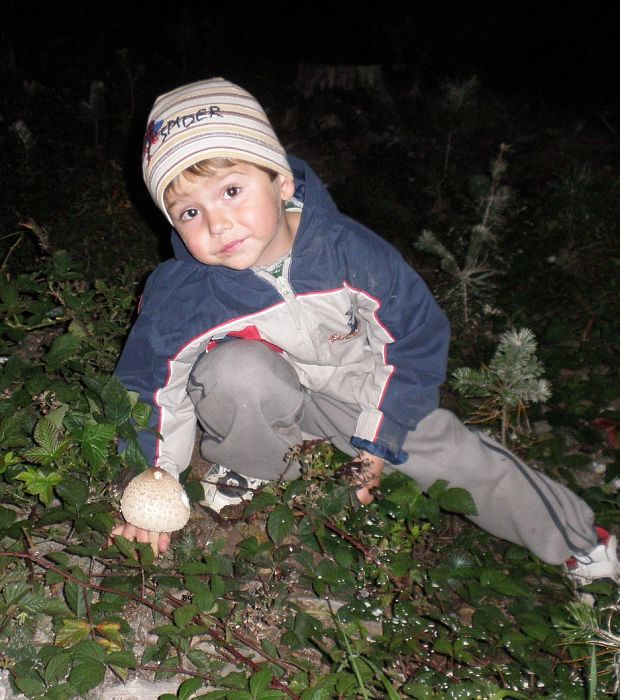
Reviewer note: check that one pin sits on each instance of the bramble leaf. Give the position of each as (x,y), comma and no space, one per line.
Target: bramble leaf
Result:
(96,440)
(280,524)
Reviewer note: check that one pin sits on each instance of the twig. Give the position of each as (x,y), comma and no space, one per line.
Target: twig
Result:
(398,582)
(11,249)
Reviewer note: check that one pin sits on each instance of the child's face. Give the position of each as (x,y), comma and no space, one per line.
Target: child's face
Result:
(233,218)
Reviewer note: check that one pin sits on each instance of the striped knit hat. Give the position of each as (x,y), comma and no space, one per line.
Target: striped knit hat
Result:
(207,119)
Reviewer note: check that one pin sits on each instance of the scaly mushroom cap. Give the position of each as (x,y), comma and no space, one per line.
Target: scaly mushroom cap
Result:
(155,501)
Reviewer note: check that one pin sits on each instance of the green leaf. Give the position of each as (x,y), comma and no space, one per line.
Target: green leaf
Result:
(46,434)
(73,491)
(89,650)
(261,501)
(40,484)
(87,675)
(78,597)
(72,632)
(406,493)
(260,681)
(184,615)
(32,686)
(63,348)
(280,524)
(141,413)
(188,688)
(96,440)
(457,500)
(7,517)
(13,591)
(116,403)
(57,668)
(122,659)
(316,694)
(55,607)
(501,583)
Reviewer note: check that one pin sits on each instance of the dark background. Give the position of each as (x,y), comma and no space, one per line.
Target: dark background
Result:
(566,53)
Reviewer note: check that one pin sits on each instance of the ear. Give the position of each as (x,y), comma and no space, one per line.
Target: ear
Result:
(286,187)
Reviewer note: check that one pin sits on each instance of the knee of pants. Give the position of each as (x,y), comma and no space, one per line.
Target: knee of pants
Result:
(240,368)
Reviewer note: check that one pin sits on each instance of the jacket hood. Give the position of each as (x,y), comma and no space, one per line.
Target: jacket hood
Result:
(319,209)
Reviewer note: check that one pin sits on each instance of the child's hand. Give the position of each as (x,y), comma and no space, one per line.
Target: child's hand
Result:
(160,541)
(373,466)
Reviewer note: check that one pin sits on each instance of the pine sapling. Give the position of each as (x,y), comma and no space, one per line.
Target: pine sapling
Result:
(470,282)
(511,381)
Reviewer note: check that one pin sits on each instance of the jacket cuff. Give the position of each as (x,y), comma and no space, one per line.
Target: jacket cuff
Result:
(379,450)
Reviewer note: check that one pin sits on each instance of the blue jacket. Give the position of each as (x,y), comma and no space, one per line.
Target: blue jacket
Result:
(352,317)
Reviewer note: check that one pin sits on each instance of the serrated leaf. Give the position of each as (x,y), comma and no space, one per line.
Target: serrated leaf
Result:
(78,597)
(259,502)
(57,668)
(184,614)
(47,435)
(58,415)
(116,403)
(71,632)
(280,524)
(40,484)
(125,546)
(88,650)
(96,441)
(63,348)
(7,517)
(457,500)
(86,675)
(501,583)
(32,686)
(122,659)
(239,695)
(73,491)
(54,607)
(188,688)
(269,648)
(141,413)
(260,681)
(405,494)
(316,694)
(13,591)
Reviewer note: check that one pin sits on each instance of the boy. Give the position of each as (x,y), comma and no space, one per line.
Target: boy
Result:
(280,319)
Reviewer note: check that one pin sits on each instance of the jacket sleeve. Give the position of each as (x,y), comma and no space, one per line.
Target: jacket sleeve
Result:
(149,366)
(409,336)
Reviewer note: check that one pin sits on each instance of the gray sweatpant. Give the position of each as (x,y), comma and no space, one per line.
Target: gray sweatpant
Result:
(252,408)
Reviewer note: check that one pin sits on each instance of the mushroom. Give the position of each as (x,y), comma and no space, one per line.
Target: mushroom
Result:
(155,501)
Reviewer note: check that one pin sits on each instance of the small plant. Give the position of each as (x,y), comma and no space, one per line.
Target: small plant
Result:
(470,282)
(456,108)
(584,626)
(511,381)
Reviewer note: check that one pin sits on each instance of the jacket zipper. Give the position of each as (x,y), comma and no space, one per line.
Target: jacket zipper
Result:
(285,290)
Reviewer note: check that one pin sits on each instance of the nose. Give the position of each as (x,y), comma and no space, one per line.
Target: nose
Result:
(218,221)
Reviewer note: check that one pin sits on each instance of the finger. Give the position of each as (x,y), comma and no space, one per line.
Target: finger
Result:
(142,535)
(154,540)
(164,542)
(125,530)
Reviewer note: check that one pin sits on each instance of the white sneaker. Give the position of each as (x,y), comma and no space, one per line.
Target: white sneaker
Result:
(601,562)
(223,487)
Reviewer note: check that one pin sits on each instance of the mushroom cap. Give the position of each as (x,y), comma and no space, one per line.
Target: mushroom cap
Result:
(154,500)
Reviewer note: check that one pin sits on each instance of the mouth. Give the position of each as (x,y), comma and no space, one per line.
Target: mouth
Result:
(232,247)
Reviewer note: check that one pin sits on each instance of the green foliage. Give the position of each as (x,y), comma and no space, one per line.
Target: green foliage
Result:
(508,384)
(304,596)
(469,284)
